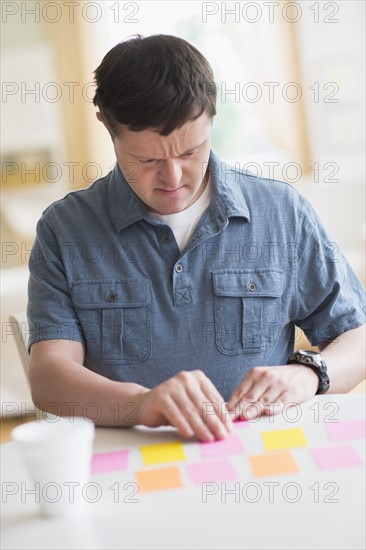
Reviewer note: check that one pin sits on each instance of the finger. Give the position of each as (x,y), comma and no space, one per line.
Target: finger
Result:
(203,431)
(215,398)
(250,404)
(244,387)
(284,399)
(208,402)
(192,413)
(188,399)
(271,400)
(174,415)
(209,408)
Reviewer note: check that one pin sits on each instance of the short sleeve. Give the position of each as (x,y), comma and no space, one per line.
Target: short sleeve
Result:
(330,298)
(50,312)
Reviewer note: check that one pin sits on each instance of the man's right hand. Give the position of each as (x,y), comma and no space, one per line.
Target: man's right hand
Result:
(188,401)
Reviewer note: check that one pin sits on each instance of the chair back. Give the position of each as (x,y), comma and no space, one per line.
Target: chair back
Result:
(20,331)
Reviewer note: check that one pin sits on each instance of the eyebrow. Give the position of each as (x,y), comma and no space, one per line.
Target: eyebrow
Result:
(151,158)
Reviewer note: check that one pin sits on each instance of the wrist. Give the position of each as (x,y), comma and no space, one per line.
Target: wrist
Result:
(315,362)
(311,379)
(139,399)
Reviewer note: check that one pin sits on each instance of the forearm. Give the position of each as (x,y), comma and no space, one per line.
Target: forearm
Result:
(345,358)
(64,387)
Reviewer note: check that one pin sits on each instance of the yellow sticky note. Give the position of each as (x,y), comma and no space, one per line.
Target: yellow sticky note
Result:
(163,478)
(163,452)
(276,463)
(284,439)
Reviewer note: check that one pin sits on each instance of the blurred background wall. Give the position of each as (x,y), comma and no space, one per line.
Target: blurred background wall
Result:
(290,79)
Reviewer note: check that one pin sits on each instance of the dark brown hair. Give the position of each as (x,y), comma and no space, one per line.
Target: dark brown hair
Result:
(158,81)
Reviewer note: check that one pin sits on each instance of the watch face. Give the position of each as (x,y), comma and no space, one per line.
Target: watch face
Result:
(308,352)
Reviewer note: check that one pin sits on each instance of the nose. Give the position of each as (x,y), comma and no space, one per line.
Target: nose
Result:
(170,173)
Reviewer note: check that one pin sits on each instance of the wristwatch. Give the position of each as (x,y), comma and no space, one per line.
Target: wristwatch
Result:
(314,361)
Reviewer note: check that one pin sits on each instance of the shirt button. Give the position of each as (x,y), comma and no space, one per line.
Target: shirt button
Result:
(112,297)
(251,286)
(166,238)
(178,268)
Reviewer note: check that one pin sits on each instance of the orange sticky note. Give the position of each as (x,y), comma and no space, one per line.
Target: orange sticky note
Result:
(163,478)
(284,439)
(163,452)
(276,463)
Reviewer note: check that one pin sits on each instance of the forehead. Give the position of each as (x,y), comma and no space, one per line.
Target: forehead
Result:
(150,143)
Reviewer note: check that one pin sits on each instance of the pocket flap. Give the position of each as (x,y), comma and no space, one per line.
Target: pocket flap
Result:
(107,293)
(248,282)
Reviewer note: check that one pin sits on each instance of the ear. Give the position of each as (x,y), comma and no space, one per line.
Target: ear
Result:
(101,119)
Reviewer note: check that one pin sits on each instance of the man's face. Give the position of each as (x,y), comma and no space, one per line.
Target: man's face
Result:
(166,172)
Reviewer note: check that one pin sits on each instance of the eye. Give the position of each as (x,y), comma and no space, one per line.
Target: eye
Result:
(189,154)
(149,161)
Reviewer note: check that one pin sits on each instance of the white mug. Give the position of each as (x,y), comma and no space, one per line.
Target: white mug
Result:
(57,453)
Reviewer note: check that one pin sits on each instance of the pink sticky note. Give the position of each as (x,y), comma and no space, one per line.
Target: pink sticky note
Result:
(336,457)
(232,445)
(218,470)
(350,429)
(241,423)
(109,462)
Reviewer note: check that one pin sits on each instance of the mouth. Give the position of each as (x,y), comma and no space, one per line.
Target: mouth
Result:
(170,192)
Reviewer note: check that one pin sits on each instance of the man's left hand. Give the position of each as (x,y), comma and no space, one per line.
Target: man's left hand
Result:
(266,390)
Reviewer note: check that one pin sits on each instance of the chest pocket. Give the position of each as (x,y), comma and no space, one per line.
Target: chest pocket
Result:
(247,309)
(115,317)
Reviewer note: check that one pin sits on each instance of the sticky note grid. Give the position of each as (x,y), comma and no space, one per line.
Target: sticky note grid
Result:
(217,464)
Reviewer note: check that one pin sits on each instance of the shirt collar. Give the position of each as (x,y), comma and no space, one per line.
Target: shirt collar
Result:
(227,199)
(125,206)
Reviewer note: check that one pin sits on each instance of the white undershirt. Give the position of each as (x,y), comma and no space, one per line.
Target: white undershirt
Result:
(184,223)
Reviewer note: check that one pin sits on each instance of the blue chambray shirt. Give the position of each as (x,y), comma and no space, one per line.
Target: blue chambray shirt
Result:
(106,273)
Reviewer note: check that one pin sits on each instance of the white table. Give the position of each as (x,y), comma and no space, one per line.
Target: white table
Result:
(178,518)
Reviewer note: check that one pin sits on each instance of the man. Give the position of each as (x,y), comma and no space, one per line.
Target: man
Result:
(168,291)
